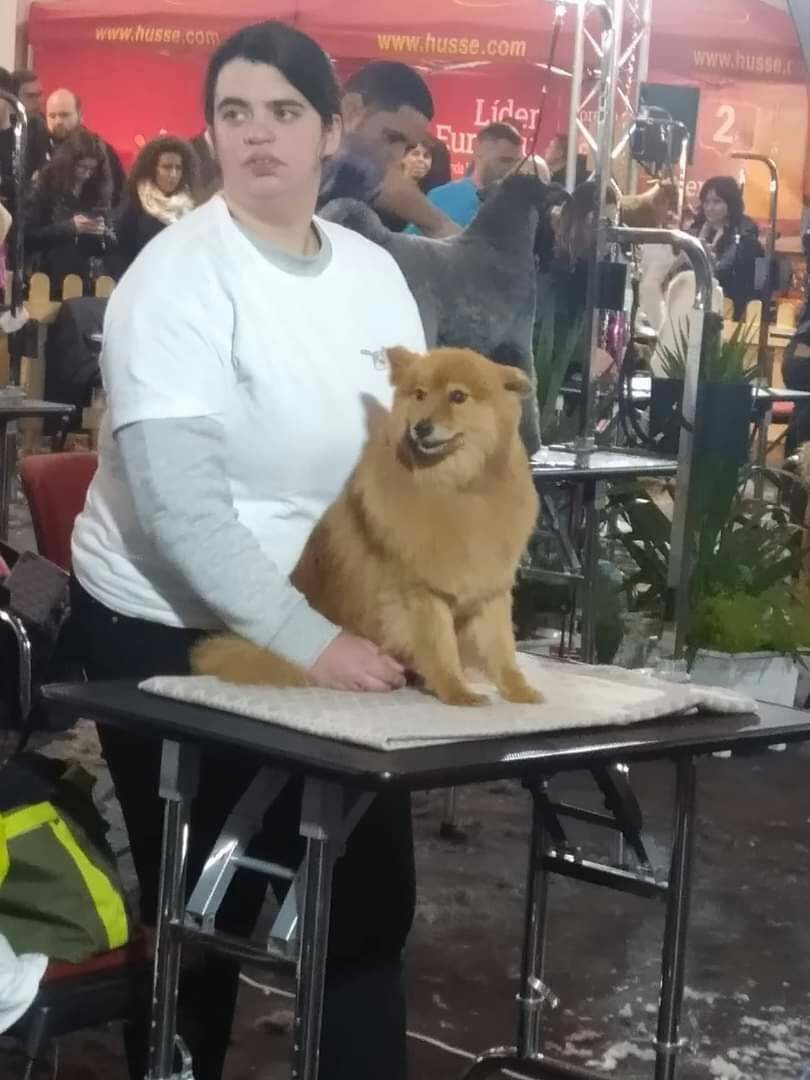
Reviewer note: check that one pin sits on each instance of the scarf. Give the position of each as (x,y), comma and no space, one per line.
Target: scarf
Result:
(166,208)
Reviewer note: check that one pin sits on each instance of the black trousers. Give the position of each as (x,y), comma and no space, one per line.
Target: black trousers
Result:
(363,1035)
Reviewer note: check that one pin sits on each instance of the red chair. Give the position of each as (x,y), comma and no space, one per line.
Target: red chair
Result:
(55,486)
(115,985)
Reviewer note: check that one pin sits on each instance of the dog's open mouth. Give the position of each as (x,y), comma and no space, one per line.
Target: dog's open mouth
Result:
(432,446)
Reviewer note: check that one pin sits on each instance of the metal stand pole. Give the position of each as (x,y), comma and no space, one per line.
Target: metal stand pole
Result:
(764,364)
(576,94)
(321,815)
(590,567)
(673,963)
(612,21)
(179,777)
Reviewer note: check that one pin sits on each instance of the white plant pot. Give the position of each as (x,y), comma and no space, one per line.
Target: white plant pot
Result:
(764,676)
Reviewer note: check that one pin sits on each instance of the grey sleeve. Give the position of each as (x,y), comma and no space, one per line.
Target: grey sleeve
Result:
(176,473)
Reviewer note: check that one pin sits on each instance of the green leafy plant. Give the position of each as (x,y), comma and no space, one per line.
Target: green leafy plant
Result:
(772,621)
(721,362)
(745,555)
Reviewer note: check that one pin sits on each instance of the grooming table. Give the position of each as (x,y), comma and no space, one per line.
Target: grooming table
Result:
(587,475)
(341,778)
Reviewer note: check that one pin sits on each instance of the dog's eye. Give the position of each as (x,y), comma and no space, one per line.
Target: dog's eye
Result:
(458,397)
(420,394)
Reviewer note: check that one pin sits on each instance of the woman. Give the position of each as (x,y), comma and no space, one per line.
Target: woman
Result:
(730,238)
(239,350)
(556,157)
(417,161)
(563,280)
(161,189)
(428,163)
(68,218)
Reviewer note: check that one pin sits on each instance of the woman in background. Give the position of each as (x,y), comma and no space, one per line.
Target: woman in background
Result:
(162,188)
(428,163)
(68,221)
(731,239)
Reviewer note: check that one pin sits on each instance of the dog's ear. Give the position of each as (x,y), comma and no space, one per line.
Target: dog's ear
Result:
(399,361)
(517,382)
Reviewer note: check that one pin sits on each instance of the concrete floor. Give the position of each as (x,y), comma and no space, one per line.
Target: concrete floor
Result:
(748,997)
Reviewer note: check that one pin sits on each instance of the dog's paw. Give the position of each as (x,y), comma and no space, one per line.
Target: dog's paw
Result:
(462,696)
(517,690)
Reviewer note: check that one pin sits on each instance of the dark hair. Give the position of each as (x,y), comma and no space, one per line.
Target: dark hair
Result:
(574,233)
(6,81)
(21,76)
(496,132)
(727,189)
(145,166)
(57,178)
(440,172)
(389,86)
(301,61)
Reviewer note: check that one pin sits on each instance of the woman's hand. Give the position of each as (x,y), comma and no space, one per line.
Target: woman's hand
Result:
(88,225)
(353,663)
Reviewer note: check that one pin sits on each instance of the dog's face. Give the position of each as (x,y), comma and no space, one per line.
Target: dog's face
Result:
(453,409)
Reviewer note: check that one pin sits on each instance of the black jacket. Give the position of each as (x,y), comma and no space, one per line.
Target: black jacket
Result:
(36,155)
(56,248)
(736,256)
(134,228)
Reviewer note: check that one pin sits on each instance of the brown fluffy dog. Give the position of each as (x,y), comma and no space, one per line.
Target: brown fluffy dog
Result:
(652,209)
(419,551)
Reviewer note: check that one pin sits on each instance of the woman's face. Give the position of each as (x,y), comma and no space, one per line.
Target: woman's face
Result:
(417,162)
(269,140)
(715,210)
(86,169)
(169,172)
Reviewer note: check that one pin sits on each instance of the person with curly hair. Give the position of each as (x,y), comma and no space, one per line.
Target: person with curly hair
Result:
(68,220)
(730,238)
(162,188)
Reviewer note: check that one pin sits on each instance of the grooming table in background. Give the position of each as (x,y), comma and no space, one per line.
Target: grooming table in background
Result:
(578,537)
(341,778)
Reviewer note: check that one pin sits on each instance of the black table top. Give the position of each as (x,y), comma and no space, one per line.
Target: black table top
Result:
(124,705)
(559,463)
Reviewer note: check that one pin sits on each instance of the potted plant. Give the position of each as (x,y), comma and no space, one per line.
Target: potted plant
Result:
(723,414)
(748,623)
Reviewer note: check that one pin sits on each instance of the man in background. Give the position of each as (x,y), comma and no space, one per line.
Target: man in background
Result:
(497,152)
(26,86)
(63,115)
(29,90)
(36,144)
(386,110)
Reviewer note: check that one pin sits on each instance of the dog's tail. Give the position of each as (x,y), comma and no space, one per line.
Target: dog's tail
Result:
(235,660)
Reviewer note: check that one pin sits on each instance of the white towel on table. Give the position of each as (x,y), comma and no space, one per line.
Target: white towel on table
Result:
(577,696)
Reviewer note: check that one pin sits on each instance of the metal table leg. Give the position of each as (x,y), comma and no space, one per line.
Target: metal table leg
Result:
(179,777)
(8,465)
(321,818)
(673,963)
(526,1056)
(592,498)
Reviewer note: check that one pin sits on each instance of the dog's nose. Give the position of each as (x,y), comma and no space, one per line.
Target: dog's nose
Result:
(423,429)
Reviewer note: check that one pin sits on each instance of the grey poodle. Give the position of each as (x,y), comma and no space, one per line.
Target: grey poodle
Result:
(476,290)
